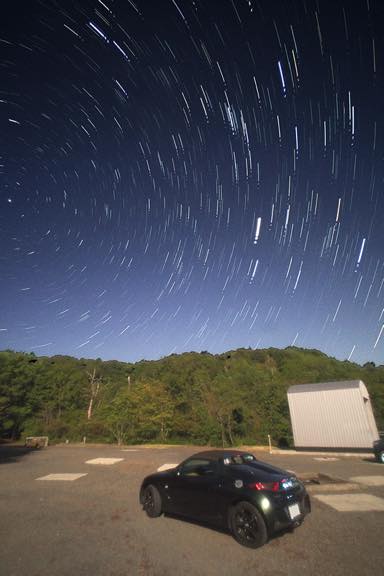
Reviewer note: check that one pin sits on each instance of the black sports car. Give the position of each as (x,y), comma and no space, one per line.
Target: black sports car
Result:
(231,489)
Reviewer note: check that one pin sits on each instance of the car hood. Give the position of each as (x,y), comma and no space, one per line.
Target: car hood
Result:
(160,475)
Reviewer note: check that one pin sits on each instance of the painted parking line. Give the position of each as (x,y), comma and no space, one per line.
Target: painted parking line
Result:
(166,466)
(326,459)
(369,480)
(66,477)
(104,461)
(352,502)
(129,450)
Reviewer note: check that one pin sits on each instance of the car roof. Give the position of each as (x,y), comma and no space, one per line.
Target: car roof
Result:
(217,454)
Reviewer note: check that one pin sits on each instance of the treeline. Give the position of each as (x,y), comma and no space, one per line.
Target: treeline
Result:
(236,397)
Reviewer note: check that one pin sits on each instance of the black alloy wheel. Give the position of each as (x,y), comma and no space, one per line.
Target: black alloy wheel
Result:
(151,501)
(247,525)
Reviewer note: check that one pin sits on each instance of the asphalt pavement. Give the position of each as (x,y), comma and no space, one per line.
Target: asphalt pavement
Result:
(91,523)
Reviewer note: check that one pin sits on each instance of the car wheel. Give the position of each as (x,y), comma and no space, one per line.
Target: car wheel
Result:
(380,456)
(247,525)
(151,501)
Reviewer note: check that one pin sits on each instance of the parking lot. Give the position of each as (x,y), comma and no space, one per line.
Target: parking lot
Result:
(70,510)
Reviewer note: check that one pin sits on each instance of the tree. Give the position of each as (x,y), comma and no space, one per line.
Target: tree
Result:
(119,417)
(239,396)
(154,410)
(94,389)
(141,412)
(16,380)
(223,401)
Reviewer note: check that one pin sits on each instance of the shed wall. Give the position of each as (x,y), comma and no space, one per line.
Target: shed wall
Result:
(332,418)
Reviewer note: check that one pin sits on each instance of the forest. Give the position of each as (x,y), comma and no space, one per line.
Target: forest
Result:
(238,397)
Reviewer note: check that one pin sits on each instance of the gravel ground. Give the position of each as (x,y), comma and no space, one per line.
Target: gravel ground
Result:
(95,526)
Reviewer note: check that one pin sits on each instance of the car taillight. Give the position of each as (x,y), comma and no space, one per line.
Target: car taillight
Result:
(270,486)
(287,483)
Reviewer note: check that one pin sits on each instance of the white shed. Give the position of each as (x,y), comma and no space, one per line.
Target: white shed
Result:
(332,415)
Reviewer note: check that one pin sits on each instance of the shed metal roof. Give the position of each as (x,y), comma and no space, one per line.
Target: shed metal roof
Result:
(320,386)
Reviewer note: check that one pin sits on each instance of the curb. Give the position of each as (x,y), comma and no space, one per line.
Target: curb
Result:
(339,487)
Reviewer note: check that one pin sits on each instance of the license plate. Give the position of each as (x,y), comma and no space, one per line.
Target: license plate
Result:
(294,511)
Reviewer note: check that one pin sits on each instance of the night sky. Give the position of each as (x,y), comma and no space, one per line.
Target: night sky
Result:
(183,175)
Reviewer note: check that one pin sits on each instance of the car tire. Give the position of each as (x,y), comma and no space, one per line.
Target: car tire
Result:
(380,457)
(151,501)
(247,525)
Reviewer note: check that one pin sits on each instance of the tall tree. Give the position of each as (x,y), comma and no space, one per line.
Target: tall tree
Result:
(94,389)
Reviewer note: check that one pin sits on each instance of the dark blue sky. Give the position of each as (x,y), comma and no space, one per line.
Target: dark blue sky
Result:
(192,175)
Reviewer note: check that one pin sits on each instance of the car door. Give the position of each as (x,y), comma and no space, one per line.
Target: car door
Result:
(195,489)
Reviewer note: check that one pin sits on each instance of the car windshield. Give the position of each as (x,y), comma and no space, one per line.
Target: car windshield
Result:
(239,459)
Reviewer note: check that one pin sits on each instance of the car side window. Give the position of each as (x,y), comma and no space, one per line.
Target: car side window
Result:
(198,467)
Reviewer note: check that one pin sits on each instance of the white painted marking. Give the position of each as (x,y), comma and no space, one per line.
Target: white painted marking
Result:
(128,450)
(104,461)
(166,467)
(369,480)
(325,459)
(352,502)
(65,477)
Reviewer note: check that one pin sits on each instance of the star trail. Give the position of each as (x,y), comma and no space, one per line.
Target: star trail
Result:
(183,175)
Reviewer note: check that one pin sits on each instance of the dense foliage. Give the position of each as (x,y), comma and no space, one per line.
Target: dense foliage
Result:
(236,397)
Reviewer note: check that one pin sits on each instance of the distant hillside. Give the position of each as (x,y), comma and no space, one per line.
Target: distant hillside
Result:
(236,397)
